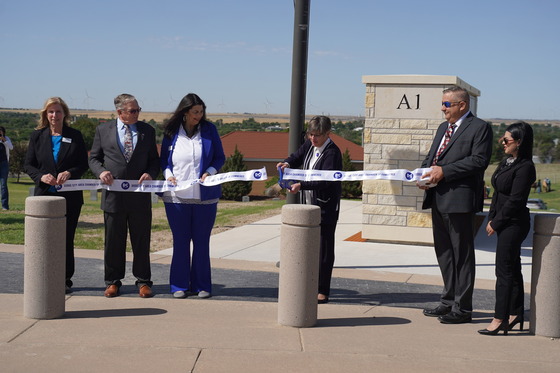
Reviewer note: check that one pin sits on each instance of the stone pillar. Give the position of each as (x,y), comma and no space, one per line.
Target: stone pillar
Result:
(545,276)
(403,113)
(299,265)
(44,257)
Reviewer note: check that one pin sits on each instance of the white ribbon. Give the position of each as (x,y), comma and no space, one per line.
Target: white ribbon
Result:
(159,186)
(324,175)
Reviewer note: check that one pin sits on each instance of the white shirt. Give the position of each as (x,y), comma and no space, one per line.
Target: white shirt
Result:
(186,160)
(317,152)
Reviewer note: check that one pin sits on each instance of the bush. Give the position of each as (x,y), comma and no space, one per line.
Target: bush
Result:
(234,190)
(350,189)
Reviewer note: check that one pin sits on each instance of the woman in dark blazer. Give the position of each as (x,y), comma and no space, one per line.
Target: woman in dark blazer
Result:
(191,150)
(319,152)
(57,153)
(509,218)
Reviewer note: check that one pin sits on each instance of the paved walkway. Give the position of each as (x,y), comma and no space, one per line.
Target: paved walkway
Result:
(373,323)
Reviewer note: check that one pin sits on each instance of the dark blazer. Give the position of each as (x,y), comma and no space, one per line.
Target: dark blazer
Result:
(106,155)
(212,156)
(463,162)
(512,185)
(326,194)
(72,157)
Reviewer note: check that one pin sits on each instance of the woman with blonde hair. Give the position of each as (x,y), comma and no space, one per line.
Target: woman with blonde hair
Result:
(56,154)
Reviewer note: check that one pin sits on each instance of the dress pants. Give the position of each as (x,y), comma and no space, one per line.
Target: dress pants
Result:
(509,278)
(326,259)
(454,246)
(191,222)
(139,224)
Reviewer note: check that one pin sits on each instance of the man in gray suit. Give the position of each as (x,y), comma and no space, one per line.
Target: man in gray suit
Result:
(126,149)
(459,154)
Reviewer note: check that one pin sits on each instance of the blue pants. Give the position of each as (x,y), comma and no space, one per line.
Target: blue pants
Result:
(189,222)
(4,169)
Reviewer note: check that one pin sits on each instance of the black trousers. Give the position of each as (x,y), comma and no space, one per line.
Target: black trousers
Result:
(73,210)
(454,246)
(326,259)
(139,224)
(509,278)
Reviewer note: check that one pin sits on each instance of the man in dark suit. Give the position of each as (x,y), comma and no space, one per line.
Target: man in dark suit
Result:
(126,149)
(459,154)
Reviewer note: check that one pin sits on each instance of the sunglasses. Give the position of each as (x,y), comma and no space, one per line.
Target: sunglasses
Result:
(133,111)
(449,103)
(506,141)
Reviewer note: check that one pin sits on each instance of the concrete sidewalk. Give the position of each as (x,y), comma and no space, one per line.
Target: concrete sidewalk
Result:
(373,323)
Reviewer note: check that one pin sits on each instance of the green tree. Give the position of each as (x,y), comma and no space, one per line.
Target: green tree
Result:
(234,190)
(87,127)
(350,189)
(17,158)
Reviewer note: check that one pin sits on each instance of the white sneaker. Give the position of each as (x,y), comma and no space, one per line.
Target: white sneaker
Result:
(203,294)
(179,294)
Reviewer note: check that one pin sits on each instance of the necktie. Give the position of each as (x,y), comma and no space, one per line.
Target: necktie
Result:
(127,142)
(446,139)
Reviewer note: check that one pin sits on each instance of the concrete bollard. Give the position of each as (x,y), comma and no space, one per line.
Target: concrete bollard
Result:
(93,195)
(44,257)
(545,276)
(299,265)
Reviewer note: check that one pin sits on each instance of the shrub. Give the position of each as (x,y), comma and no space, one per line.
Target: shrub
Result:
(234,190)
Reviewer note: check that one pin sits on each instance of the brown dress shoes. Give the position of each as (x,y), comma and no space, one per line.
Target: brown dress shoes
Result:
(145,291)
(112,291)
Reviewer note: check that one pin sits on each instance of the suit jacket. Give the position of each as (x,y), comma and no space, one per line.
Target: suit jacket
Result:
(106,155)
(512,185)
(212,156)
(463,162)
(72,157)
(325,194)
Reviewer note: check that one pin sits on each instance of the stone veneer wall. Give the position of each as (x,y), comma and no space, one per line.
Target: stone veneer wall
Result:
(392,210)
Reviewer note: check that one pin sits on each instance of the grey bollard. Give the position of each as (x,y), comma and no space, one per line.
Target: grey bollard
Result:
(44,257)
(93,195)
(545,276)
(299,265)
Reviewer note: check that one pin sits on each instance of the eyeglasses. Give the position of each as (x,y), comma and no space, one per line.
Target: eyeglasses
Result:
(133,111)
(449,103)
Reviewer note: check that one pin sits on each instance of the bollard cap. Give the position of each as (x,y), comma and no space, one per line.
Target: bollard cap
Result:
(547,224)
(301,215)
(45,206)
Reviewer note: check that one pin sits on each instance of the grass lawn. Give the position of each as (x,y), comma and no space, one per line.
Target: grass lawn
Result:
(90,231)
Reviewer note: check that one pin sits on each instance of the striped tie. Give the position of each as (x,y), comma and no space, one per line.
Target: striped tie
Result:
(446,139)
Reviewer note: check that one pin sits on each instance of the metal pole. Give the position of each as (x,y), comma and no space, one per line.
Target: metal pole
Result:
(299,78)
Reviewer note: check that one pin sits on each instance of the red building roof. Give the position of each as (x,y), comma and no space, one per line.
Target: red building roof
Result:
(273,146)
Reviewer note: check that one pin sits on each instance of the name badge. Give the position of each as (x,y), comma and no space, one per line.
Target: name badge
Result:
(66,139)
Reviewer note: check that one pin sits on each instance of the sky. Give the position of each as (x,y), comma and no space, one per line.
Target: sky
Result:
(237,55)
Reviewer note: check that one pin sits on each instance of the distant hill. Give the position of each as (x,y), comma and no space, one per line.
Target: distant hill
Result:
(226,117)
(239,117)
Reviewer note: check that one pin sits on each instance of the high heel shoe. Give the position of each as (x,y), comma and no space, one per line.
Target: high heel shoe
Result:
(518,320)
(503,326)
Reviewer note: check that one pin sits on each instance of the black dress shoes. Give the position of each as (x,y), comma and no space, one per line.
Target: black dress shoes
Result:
(438,311)
(455,318)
